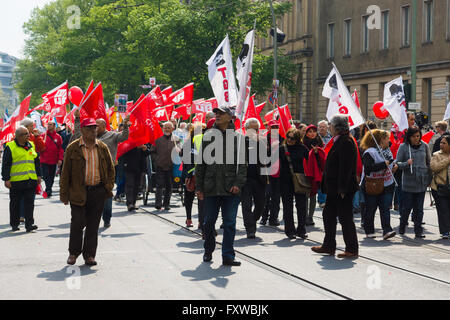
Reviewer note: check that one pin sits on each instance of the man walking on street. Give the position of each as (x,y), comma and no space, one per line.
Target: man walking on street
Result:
(162,154)
(220,184)
(21,173)
(87,180)
(51,157)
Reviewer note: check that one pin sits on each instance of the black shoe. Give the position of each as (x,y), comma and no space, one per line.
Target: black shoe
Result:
(263,222)
(131,208)
(251,235)
(232,263)
(309,223)
(106,225)
(207,257)
(274,223)
(420,236)
(15,229)
(33,227)
(158,207)
(302,235)
(291,236)
(167,208)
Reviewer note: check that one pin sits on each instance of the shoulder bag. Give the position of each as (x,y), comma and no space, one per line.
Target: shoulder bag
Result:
(302,185)
(443,190)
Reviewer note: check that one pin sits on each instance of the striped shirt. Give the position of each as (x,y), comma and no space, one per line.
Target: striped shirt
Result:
(92,172)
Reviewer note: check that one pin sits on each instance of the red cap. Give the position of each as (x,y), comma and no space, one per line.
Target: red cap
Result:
(211,123)
(88,122)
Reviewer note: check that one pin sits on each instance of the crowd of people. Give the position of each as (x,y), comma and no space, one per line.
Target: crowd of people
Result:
(345,172)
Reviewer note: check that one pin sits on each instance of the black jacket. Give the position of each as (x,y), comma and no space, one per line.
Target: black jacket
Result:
(340,168)
(135,160)
(297,153)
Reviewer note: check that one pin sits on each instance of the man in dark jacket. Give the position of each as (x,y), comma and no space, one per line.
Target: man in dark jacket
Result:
(135,165)
(219,182)
(339,184)
(162,154)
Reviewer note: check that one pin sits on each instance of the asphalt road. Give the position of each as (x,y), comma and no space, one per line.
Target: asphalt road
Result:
(151,255)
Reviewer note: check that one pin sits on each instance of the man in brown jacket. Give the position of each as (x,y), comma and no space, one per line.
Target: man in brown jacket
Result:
(87,179)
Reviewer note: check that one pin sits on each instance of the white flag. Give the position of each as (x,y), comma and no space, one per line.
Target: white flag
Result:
(221,75)
(394,102)
(341,101)
(447,112)
(244,74)
(36,117)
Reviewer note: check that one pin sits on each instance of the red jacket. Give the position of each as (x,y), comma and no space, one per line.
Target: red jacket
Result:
(39,143)
(53,151)
(314,167)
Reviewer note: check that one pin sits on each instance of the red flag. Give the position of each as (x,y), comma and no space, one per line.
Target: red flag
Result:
(200,117)
(39,107)
(183,112)
(69,120)
(144,129)
(287,112)
(88,92)
(204,106)
(163,113)
(157,96)
(165,95)
(258,109)
(355,98)
(284,121)
(9,130)
(57,97)
(428,136)
(183,96)
(272,115)
(94,106)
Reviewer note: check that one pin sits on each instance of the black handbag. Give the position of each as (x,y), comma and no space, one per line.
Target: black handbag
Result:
(443,190)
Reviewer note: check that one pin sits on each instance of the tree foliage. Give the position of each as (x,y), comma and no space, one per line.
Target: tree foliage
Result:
(125,42)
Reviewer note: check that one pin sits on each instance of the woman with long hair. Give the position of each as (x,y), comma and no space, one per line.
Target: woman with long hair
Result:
(292,155)
(376,164)
(414,158)
(440,165)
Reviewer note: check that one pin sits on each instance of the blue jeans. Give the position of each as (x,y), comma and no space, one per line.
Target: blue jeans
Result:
(229,205)
(414,202)
(107,210)
(321,197)
(383,202)
(356,200)
(120,180)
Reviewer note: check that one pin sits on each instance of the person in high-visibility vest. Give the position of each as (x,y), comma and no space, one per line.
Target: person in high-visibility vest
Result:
(21,173)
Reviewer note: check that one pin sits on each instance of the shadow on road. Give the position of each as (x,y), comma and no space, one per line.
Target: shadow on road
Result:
(204,272)
(66,272)
(331,263)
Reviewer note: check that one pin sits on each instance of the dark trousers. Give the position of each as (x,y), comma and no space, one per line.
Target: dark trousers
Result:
(336,207)
(383,202)
(48,173)
(443,212)
(229,205)
(87,216)
(132,184)
(414,202)
(287,196)
(163,181)
(189,197)
(273,201)
(252,193)
(24,197)
(120,180)
(107,210)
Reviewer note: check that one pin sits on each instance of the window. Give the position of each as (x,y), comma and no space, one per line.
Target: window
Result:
(427,21)
(385,30)
(347,37)
(299,18)
(330,41)
(365,34)
(405,26)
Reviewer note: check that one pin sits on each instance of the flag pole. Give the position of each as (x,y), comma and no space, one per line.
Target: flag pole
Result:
(367,126)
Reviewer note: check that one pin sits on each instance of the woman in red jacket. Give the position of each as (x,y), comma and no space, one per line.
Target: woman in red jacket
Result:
(51,156)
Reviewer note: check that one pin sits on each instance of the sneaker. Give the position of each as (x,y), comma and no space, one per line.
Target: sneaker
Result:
(231,262)
(446,235)
(207,257)
(389,235)
(371,236)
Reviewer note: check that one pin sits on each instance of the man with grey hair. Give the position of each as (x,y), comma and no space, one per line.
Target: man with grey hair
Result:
(322,128)
(339,184)
(162,156)
(21,173)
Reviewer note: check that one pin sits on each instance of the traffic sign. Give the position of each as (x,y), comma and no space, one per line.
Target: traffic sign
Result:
(440,93)
(414,106)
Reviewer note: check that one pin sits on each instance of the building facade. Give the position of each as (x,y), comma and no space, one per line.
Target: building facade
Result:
(369,49)
(7,66)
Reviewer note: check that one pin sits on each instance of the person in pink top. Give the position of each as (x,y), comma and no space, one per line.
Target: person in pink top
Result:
(51,156)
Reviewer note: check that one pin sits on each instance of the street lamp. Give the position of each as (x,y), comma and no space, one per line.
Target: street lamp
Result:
(414,52)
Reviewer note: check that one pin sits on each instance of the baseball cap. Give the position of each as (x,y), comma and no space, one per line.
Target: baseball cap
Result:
(225,109)
(88,122)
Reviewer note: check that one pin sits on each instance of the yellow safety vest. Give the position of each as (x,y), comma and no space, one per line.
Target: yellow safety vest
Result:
(23,167)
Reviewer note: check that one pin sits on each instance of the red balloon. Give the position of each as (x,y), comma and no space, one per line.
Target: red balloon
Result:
(76,95)
(380,111)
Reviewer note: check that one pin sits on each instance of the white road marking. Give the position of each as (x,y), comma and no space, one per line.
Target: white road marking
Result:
(442,260)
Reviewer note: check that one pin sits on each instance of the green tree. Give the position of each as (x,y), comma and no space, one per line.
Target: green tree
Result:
(124,42)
